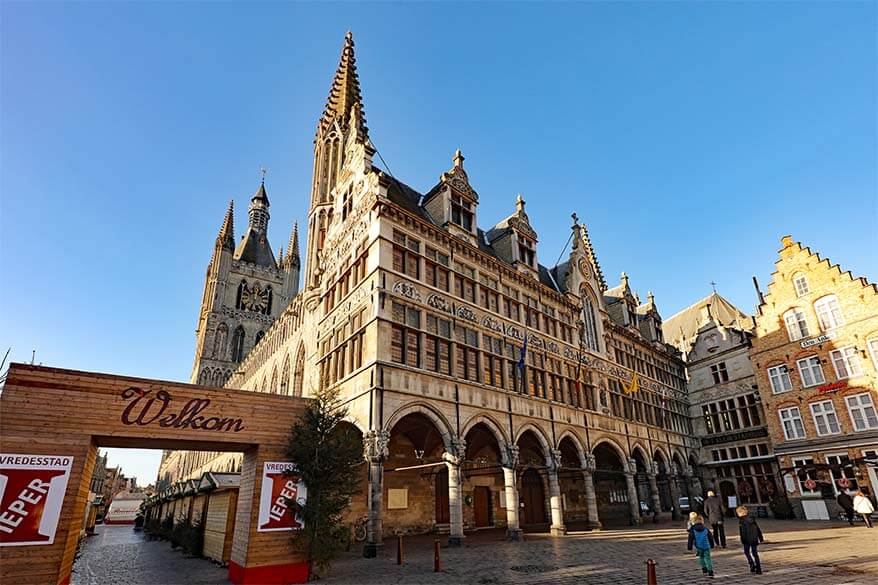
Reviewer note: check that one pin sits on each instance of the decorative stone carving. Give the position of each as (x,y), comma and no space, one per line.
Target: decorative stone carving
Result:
(437,302)
(376,445)
(407,290)
(554,461)
(510,456)
(590,463)
(632,466)
(466,313)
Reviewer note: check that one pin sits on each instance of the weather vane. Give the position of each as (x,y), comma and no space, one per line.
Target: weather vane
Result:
(713,284)
(263,170)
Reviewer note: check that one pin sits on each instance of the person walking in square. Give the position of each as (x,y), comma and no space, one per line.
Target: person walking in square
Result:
(701,538)
(751,536)
(847,504)
(713,509)
(864,508)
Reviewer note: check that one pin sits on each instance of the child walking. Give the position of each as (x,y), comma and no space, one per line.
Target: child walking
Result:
(751,536)
(701,537)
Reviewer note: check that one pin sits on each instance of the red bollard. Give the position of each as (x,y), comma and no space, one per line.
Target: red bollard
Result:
(399,549)
(437,562)
(650,572)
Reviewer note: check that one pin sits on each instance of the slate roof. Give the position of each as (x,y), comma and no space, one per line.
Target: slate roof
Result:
(687,322)
(255,249)
(412,201)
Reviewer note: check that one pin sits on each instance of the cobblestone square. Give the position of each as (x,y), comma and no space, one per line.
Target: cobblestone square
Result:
(818,553)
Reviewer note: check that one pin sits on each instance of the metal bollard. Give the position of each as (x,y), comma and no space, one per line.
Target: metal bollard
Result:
(399,558)
(650,572)
(437,562)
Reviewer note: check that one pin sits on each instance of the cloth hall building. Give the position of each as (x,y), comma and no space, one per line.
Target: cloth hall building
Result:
(490,389)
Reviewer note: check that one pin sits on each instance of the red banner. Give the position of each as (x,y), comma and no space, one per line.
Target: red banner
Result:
(30,503)
(280,490)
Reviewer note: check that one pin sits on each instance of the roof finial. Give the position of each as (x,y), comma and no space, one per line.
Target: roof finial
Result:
(713,285)
(349,36)
(624,278)
(458,159)
(575,219)
(263,172)
(650,297)
(519,203)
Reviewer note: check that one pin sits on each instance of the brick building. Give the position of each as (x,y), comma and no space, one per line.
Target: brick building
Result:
(420,317)
(815,354)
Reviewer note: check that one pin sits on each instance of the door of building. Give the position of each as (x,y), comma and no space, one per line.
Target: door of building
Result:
(441,498)
(533,497)
(481,506)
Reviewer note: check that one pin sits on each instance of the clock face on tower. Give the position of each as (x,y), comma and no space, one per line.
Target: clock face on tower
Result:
(254,298)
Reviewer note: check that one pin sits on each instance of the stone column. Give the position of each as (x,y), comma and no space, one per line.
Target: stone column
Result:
(555,502)
(510,460)
(653,488)
(673,478)
(376,443)
(591,501)
(695,483)
(453,460)
(633,499)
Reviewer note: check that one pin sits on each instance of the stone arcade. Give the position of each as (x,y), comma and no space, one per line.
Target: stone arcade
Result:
(420,317)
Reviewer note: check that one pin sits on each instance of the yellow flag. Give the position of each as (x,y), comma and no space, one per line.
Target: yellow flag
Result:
(633,387)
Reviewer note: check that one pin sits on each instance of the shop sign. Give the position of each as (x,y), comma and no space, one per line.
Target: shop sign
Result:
(145,409)
(31,493)
(817,340)
(280,488)
(826,388)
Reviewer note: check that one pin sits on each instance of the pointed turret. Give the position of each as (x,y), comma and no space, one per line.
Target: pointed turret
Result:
(254,247)
(344,94)
(226,236)
(292,258)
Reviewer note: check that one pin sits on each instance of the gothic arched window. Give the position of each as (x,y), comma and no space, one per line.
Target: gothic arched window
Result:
(273,387)
(238,345)
(589,320)
(219,342)
(204,377)
(267,309)
(299,371)
(259,337)
(285,376)
(240,296)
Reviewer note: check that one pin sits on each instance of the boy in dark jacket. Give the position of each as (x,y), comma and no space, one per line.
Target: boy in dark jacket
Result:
(701,537)
(751,536)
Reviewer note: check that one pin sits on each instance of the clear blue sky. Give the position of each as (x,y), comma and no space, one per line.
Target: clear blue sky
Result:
(689,137)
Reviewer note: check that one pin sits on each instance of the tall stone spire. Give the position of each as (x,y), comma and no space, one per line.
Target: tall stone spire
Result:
(226,236)
(344,94)
(292,258)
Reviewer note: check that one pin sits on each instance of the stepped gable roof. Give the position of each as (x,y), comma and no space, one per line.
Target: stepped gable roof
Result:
(687,322)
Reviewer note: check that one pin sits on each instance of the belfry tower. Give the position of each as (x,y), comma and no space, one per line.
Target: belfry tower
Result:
(245,289)
(342,125)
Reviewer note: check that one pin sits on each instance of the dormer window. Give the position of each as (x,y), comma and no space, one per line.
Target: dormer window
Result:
(526,251)
(462,212)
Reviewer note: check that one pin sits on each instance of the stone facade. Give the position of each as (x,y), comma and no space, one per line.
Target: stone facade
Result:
(736,456)
(490,389)
(815,354)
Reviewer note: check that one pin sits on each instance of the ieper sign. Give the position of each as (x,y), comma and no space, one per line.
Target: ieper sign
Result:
(280,488)
(145,409)
(31,493)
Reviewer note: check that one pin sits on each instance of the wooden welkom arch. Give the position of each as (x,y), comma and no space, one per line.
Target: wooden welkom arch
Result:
(67,414)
